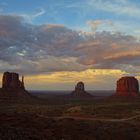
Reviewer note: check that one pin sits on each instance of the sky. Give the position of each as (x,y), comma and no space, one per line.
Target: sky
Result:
(55,44)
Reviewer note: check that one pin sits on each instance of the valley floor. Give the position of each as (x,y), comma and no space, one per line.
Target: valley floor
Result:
(61,118)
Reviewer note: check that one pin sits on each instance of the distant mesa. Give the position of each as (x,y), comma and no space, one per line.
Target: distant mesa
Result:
(127,86)
(80,91)
(12,86)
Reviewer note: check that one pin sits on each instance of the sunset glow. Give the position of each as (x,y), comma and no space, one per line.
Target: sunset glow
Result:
(56,44)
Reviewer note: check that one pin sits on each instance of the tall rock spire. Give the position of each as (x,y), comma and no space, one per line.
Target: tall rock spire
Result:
(22,83)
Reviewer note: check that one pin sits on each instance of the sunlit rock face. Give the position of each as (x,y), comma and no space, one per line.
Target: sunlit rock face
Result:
(12,86)
(80,91)
(127,86)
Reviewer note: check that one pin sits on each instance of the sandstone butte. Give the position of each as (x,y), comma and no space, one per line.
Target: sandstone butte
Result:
(80,91)
(127,86)
(12,86)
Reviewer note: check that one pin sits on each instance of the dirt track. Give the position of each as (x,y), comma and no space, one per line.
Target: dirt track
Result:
(93,119)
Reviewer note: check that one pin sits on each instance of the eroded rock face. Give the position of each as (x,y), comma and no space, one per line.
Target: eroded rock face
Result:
(80,87)
(11,81)
(127,85)
(12,86)
(80,90)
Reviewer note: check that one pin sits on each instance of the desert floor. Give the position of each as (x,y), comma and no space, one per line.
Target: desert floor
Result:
(58,117)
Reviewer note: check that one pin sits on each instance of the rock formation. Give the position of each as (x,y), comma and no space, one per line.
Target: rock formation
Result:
(12,86)
(11,81)
(80,91)
(127,86)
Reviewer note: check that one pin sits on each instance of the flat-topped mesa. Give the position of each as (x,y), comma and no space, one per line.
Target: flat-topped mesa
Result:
(11,81)
(80,91)
(127,86)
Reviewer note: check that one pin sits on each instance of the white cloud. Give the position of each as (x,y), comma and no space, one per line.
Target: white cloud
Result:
(123,7)
(95,24)
(39,13)
(30,17)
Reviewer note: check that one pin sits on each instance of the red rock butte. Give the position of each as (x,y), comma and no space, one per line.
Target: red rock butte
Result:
(127,86)
(80,91)
(11,81)
(12,86)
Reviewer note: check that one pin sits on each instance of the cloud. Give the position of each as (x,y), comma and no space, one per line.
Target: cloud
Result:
(121,7)
(67,79)
(32,16)
(45,47)
(109,50)
(39,13)
(31,49)
(94,24)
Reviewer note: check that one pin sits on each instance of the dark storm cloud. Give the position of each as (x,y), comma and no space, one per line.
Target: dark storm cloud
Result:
(35,49)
